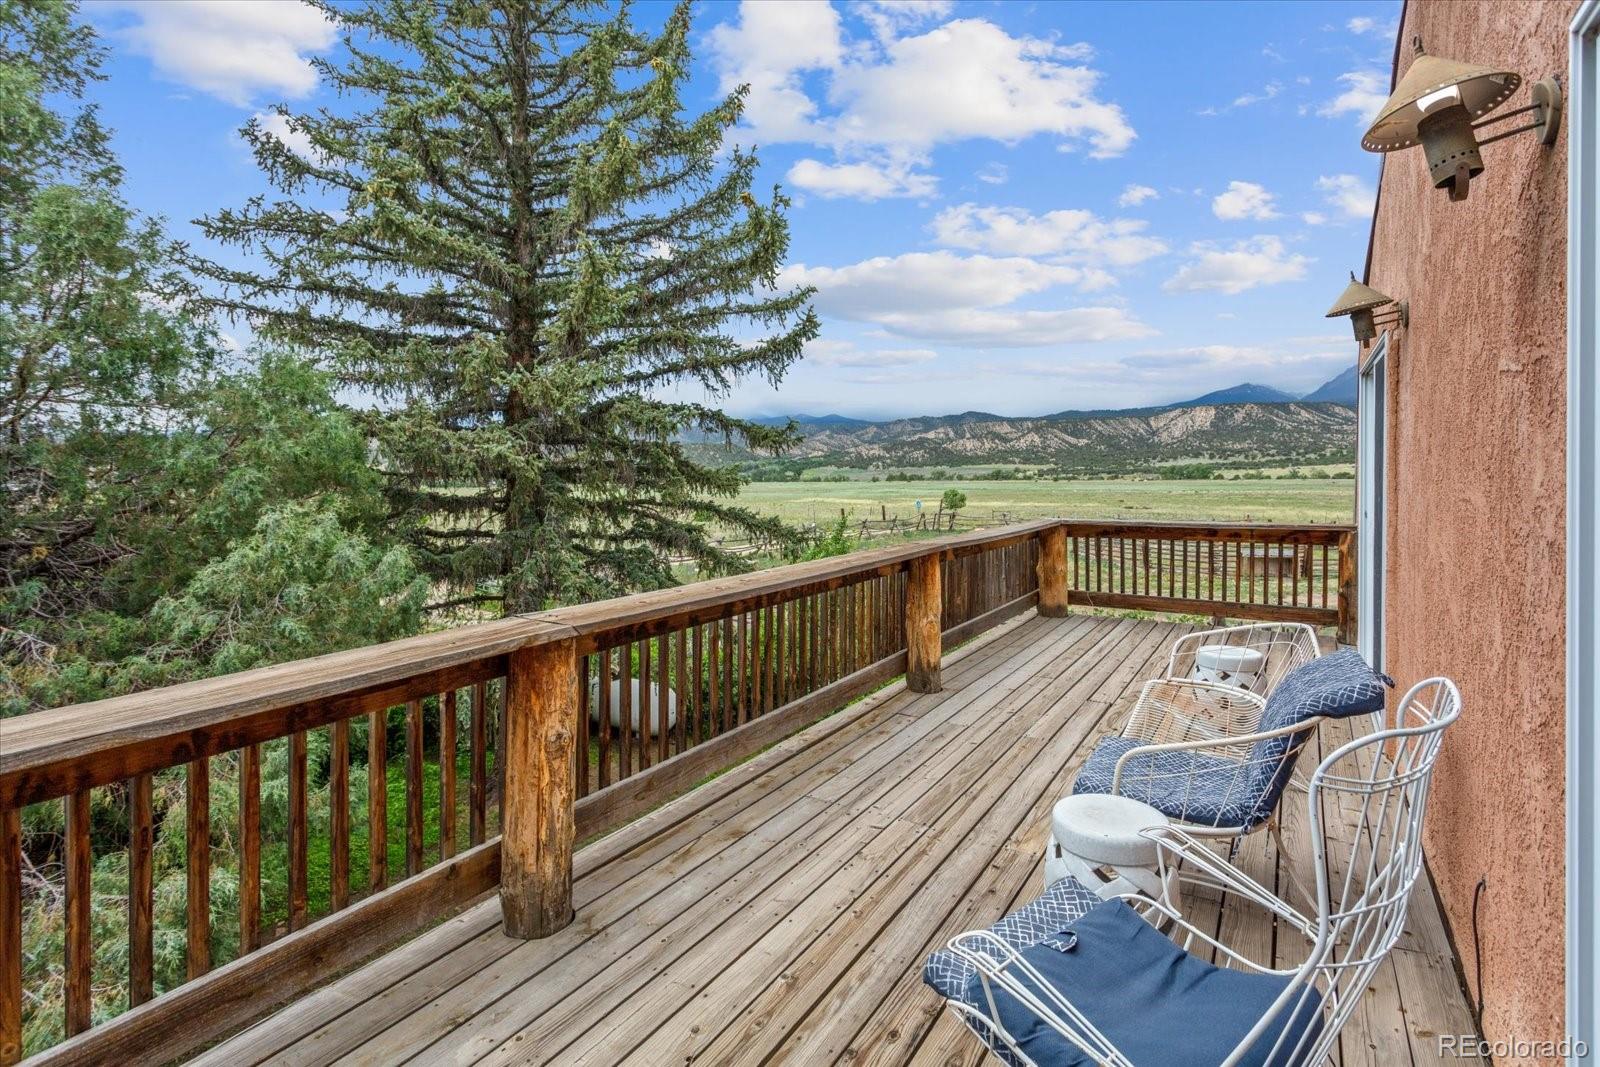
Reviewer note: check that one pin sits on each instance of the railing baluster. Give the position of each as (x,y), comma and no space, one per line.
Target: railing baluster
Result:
(10,936)
(625,713)
(378,800)
(339,817)
(696,727)
(644,711)
(447,774)
(730,711)
(478,787)
(663,688)
(141,889)
(79,927)
(414,754)
(198,830)
(681,686)
(298,835)
(580,751)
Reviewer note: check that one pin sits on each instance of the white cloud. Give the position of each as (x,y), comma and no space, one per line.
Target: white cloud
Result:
(963,299)
(768,48)
(1363,24)
(1313,218)
(296,141)
(1241,266)
(994,174)
(232,49)
(1352,196)
(894,98)
(1134,195)
(890,18)
(861,181)
(1078,235)
(1268,91)
(1005,328)
(1244,200)
(831,353)
(931,281)
(1364,95)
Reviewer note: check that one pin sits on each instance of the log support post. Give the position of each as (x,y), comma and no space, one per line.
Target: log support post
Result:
(541,708)
(1347,589)
(924,626)
(1053,573)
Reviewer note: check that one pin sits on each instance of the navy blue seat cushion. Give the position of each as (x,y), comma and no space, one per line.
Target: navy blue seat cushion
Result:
(1061,905)
(1156,1003)
(1191,786)
(1209,790)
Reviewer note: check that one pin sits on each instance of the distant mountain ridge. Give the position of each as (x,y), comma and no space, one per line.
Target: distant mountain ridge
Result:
(1243,423)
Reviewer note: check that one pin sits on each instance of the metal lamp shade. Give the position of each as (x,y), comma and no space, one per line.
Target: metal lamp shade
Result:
(1449,144)
(1357,301)
(1431,86)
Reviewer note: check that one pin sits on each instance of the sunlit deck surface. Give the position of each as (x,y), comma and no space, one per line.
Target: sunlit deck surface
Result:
(781,912)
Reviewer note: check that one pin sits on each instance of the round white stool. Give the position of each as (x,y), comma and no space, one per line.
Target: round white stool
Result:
(1096,838)
(1232,665)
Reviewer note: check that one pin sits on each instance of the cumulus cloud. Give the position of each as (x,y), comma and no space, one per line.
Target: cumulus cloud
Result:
(860,181)
(1349,194)
(1240,266)
(892,99)
(1364,95)
(232,49)
(1078,235)
(832,353)
(963,299)
(277,125)
(1244,200)
(1134,195)
(1007,328)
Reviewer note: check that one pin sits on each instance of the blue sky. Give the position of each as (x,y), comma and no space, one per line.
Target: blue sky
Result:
(1011,207)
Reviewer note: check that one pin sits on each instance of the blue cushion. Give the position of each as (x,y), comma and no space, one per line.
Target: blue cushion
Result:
(1155,1002)
(1191,786)
(1061,905)
(1336,686)
(1208,790)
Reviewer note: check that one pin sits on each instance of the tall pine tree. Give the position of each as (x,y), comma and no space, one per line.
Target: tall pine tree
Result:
(509,236)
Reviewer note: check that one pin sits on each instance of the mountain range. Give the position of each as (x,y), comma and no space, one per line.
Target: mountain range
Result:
(1246,423)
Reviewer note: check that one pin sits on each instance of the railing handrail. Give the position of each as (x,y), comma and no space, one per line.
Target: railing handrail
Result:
(55,752)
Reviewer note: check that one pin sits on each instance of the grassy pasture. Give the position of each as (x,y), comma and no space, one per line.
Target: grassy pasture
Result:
(1299,501)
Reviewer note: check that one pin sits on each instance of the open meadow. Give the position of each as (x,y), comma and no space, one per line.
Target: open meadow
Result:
(1296,500)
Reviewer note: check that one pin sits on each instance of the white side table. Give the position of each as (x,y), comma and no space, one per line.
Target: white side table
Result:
(1097,839)
(1232,665)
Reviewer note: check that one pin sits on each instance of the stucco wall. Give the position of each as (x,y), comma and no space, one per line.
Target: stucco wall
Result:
(1476,489)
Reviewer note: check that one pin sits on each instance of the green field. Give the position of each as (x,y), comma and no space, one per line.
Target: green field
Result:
(1302,501)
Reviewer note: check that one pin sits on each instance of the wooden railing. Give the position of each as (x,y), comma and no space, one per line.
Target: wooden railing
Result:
(488,751)
(1258,571)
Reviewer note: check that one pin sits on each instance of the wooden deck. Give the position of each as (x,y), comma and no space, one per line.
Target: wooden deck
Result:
(782,911)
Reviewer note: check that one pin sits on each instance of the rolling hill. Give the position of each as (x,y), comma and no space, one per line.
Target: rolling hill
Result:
(1244,424)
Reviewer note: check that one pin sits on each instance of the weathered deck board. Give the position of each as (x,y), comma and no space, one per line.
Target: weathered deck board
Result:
(780,913)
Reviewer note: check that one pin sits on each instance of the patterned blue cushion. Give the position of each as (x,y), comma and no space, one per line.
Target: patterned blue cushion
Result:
(1039,920)
(1193,787)
(1154,1002)
(1335,686)
(1209,790)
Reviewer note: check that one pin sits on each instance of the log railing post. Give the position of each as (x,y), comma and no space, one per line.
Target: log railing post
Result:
(10,935)
(541,709)
(1053,572)
(924,627)
(1347,589)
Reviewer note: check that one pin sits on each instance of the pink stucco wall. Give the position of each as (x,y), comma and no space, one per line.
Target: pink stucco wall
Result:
(1476,483)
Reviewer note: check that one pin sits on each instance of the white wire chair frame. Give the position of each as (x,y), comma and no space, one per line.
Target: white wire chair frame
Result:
(1363,890)
(1286,646)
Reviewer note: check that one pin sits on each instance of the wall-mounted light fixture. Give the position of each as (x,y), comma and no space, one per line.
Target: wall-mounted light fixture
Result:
(1437,104)
(1359,301)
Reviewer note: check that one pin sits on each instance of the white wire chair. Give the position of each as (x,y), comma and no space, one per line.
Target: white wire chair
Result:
(1379,785)
(1285,646)
(1198,750)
